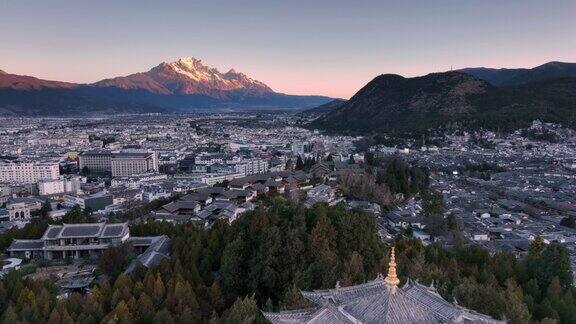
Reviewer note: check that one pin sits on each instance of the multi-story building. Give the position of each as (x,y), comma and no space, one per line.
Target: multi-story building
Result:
(131,163)
(298,148)
(119,163)
(209,159)
(252,166)
(59,186)
(28,172)
(50,187)
(98,161)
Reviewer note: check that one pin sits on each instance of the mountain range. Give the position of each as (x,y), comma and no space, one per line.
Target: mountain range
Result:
(180,86)
(506,77)
(487,98)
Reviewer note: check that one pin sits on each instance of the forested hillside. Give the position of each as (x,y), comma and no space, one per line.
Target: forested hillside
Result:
(228,273)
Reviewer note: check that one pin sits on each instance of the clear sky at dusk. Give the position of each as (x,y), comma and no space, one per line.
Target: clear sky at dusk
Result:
(300,47)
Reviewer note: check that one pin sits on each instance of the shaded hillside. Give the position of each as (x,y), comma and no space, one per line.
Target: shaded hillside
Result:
(391,103)
(323,109)
(504,77)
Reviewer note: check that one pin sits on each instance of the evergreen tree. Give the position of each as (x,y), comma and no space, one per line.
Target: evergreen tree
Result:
(244,310)
(299,163)
(45,209)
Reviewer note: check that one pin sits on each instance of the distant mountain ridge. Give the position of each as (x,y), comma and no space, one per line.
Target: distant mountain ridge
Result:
(505,77)
(392,103)
(183,85)
(187,76)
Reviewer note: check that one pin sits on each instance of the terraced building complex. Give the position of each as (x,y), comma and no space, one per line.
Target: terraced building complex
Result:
(78,241)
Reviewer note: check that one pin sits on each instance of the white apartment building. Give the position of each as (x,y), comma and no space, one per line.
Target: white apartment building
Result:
(209,159)
(59,186)
(119,163)
(131,163)
(252,166)
(50,187)
(28,172)
(298,148)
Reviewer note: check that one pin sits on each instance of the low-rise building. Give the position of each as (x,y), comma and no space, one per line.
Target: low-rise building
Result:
(94,202)
(19,209)
(89,240)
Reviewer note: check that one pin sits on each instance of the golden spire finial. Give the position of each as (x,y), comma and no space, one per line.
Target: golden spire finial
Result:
(391,278)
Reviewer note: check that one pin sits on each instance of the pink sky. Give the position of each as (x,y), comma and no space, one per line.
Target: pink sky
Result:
(323,47)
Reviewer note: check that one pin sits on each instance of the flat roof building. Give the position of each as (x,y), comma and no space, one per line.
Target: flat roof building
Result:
(28,172)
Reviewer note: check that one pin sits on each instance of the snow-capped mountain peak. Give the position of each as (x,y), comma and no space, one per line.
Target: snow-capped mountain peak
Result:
(188,75)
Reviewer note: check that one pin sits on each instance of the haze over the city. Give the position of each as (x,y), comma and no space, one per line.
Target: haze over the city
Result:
(327,48)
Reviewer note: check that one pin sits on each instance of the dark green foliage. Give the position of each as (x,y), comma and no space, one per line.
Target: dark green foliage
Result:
(568,221)
(228,273)
(392,104)
(432,202)
(542,135)
(32,230)
(305,164)
(45,209)
(77,215)
(525,290)
(115,259)
(399,176)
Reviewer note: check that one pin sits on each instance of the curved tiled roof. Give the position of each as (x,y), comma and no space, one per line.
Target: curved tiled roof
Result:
(379,302)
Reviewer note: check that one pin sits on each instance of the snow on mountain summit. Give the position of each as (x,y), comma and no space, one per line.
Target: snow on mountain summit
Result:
(187,75)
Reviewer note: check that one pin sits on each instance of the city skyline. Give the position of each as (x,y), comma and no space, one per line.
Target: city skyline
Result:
(312,48)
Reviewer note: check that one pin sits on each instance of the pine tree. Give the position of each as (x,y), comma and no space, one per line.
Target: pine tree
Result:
(54,317)
(159,290)
(299,164)
(216,297)
(163,317)
(293,299)
(516,310)
(120,314)
(353,270)
(10,316)
(244,310)
(145,308)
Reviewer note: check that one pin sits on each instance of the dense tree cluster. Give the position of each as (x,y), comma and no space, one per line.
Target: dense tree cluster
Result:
(536,288)
(305,164)
(227,273)
(568,221)
(541,135)
(383,179)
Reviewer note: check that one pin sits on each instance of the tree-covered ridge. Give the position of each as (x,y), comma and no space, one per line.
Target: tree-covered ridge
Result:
(227,273)
(392,104)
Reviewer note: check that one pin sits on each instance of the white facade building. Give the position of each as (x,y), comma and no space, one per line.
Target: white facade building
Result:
(119,163)
(60,186)
(28,172)
(253,166)
(131,163)
(50,187)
